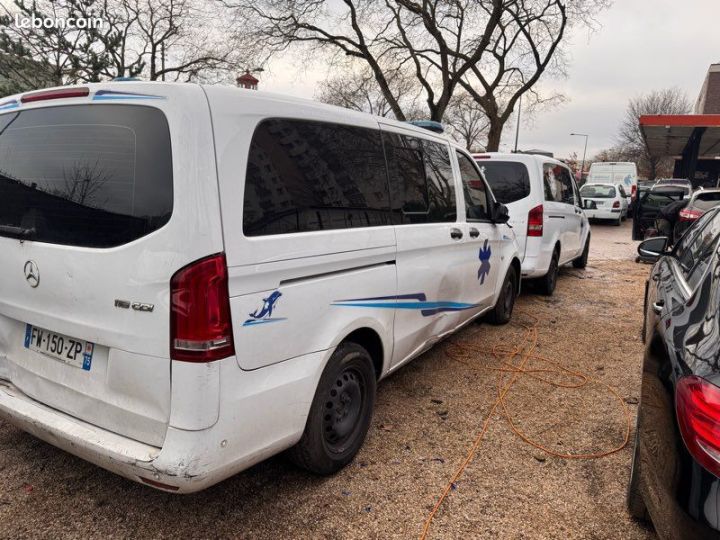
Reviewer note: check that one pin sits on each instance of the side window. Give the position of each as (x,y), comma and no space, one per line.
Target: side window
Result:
(476,197)
(311,176)
(695,250)
(567,189)
(549,183)
(422,188)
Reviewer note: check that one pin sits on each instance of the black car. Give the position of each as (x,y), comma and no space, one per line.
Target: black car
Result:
(648,209)
(675,478)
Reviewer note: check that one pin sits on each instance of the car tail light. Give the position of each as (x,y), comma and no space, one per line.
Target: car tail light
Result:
(535,221)
(616,204)
(481,156)
(61,93)
(633,190)
(690,215)
(697,403)
(200,322)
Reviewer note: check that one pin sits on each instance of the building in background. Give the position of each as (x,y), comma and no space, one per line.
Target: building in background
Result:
(694,139)
(246,80)
(708,102)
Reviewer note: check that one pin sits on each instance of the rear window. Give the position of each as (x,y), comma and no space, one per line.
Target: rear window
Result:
(509,181)
(597,192)
(706,201)
(85,175)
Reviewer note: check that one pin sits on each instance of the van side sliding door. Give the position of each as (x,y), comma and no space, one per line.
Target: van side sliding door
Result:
(430,241)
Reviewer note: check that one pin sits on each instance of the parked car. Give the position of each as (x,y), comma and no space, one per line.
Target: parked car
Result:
(649,207)
(195,278)
(700,202)
(545,212)
(615,172)
(605,201)
(675,472)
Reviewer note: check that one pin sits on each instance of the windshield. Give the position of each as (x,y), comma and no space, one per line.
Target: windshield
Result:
(87,175)
(597,191)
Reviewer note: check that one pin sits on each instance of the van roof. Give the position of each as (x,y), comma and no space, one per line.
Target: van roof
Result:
(254,95)
(527,158)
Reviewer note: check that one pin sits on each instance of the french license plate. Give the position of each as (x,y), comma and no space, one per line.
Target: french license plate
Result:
(73,351)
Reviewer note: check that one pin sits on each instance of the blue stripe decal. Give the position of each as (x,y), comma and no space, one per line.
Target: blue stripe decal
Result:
(253,322)
(9,105)
(107,95)
(426,308)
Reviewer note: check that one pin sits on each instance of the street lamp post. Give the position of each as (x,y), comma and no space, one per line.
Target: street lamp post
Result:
(582,167)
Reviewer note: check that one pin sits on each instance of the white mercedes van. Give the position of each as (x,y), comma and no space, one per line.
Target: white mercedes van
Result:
(195,278)
(546,212)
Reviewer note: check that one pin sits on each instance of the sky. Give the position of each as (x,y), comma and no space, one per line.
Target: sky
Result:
(640,46)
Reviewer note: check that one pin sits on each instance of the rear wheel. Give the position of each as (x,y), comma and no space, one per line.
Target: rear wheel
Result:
(581,261)
(502,312)
(548,282)
(618,221)
(340,413)
(635,502)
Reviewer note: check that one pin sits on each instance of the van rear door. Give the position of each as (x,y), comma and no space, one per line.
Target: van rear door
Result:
(510,183)
(92,228)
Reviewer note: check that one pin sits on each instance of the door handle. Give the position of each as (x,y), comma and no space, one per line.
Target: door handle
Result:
(455,234)
(658,307)
(474,233)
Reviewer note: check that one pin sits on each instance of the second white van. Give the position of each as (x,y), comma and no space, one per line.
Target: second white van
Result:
(545,212)
(196,278)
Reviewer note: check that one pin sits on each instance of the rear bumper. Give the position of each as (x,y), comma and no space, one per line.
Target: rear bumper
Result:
(537,258)
(264,413)
(603,214)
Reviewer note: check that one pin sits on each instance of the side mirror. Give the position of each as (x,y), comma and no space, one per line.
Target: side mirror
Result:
(653,248)
(589,205)
(501,213)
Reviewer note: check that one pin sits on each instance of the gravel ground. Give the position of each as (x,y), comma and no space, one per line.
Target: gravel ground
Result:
(427,416)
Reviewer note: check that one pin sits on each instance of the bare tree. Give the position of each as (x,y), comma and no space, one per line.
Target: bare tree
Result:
(630,140)
(467,122)
(355,88)
(495,49)
(61,53)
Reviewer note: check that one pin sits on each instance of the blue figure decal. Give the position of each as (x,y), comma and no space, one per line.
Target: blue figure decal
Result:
(484,256)
(627,180)
(264,314)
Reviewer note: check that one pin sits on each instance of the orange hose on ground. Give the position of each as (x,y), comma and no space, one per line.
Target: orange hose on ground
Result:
(525,350)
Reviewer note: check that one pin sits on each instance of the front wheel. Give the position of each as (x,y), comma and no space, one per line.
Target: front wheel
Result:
(502,312)
(340,413)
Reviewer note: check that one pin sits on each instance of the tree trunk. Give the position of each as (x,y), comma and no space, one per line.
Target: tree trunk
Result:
(494,134)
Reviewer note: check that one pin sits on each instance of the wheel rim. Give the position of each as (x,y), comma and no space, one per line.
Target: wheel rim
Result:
(343,408)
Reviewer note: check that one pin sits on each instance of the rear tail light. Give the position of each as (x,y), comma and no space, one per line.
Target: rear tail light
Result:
(200,322)
(689,215)
(633,190)
(697,403)
(61,93)
(616,204)
(535,221)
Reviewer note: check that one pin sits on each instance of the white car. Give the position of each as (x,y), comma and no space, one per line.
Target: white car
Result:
(195,278)
(545,212)
(605,201)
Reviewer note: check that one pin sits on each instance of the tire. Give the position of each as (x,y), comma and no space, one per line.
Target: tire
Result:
(634,500)
(548,282)
(502,312)
(581,261)
(340,413)
(618,222)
